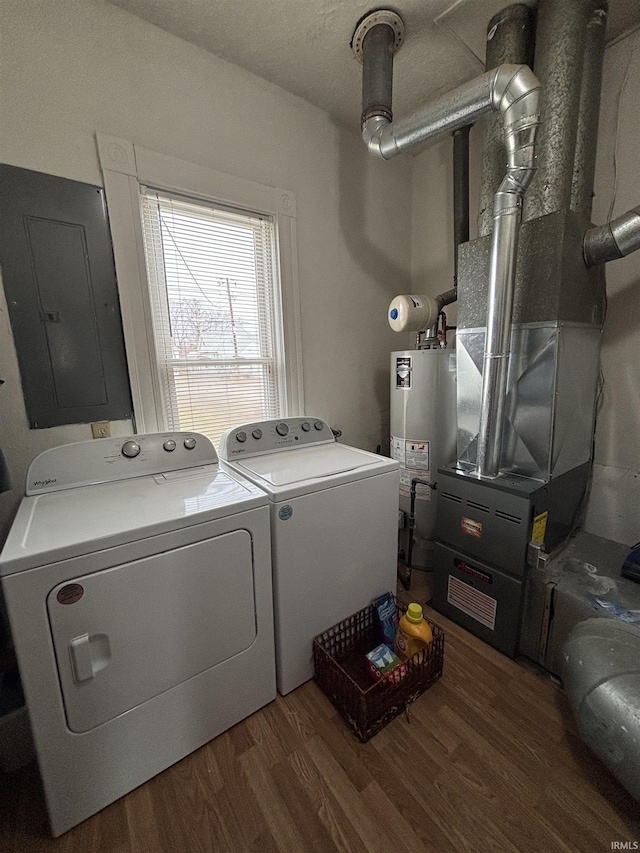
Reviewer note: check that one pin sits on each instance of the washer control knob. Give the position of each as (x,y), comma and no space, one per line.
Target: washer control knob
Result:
(306,426)
(189,443)
(130,449)
(318,425)
(282,429)
(257,433)
(241,437)
(169,445)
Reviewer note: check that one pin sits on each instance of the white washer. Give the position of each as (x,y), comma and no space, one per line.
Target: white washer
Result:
(334,528)
(137,576)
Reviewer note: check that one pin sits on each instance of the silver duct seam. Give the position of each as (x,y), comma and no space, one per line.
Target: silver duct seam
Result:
(514,91)
(613,240)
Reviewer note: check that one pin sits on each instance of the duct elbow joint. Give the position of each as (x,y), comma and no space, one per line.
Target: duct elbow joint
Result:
(516,94)
(378,137)
(613,240)
(372,132)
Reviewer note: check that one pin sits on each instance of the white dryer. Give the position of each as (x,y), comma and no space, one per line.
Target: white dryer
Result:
(137,576)
(334,528)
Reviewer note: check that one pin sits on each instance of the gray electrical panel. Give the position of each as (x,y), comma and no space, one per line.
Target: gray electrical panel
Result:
(59,279)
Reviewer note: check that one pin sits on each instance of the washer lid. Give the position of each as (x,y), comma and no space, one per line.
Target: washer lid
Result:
(307,463)
(72,522)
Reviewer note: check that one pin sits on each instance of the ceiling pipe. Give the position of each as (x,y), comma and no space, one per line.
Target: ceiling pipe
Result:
(378,72)
(514,91)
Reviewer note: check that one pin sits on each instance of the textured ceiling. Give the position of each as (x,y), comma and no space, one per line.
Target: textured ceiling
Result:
(304,45)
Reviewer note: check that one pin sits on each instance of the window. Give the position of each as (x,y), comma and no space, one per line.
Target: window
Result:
(211,280)
(207,279)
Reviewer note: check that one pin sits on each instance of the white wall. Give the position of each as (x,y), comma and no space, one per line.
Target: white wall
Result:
(614,506)
(74,67)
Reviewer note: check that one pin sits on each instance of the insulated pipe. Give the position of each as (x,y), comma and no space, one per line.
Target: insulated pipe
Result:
(510,41)
(561,36)
(584,163)
(613,240)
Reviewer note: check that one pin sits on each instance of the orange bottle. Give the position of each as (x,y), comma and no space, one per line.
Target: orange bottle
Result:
(413,634)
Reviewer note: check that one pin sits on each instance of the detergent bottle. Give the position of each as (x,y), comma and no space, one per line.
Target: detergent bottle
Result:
(413,634)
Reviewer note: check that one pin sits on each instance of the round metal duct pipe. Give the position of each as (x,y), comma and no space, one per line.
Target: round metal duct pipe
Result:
(377,37)
(509,41)
(613,240)
(601,674)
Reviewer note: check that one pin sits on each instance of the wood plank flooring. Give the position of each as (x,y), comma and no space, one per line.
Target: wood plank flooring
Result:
(487,760)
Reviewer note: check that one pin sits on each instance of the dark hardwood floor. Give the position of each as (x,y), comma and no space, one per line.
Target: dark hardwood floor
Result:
(487,760)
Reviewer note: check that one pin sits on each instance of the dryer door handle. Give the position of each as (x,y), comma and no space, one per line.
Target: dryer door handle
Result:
(80,652)
(89,654)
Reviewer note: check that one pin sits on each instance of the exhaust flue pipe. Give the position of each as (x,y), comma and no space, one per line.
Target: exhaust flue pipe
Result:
(509,41)
(514,91)
(501,89)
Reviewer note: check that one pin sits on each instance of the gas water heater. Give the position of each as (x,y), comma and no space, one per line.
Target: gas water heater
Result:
(423,423)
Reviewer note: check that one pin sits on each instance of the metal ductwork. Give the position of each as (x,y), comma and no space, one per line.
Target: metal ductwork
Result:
(513,91)
(584,163)
(509,41)
(528,333)
(520,135)
(614,240)
(561,39)
(509,89)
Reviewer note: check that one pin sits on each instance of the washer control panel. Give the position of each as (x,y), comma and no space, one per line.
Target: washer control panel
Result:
(107,459)
(270,436)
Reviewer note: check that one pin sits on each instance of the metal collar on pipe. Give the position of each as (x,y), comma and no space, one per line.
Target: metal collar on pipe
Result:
(613,240)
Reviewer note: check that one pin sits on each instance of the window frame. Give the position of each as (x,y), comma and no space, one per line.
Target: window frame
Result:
(126,166)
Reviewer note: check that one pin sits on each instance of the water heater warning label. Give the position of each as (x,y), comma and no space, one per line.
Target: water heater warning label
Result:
(411,454)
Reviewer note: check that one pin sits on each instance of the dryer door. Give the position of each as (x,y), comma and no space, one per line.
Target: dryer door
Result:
(129,633)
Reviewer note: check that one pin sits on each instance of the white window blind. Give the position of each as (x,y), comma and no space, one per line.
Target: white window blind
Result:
(211,275)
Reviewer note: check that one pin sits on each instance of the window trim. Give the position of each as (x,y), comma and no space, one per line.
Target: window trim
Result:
(125,166)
